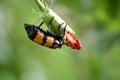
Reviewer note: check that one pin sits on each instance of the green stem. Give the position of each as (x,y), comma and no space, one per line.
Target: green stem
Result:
(41,6)
(47,15)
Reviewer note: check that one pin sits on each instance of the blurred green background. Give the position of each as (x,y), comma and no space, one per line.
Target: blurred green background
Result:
(97,26)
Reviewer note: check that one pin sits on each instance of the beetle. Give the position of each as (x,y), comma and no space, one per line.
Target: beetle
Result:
(45,38)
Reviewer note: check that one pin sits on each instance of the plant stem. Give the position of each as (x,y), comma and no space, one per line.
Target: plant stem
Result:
(41,6)
(47,15)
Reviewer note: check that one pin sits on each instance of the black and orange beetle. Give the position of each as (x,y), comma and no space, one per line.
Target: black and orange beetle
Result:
(45,38)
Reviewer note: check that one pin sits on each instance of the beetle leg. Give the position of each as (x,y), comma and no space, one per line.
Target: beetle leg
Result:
(64,30)
(40,24)
(50,24)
